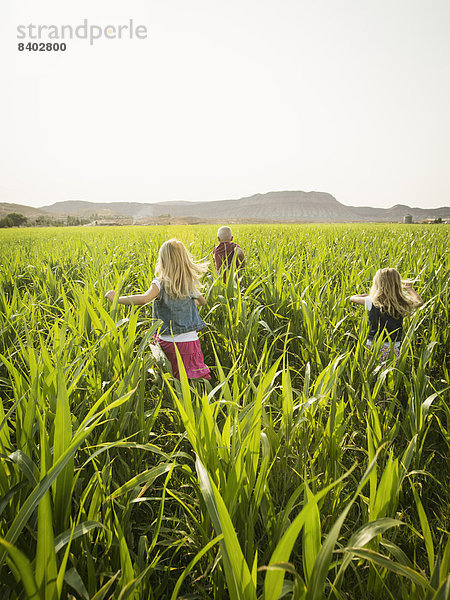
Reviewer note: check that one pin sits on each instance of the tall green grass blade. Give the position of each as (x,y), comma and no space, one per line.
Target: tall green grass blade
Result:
(322,562)
(62,436)
(387,563)
(273,583)
(363,536)
(72,578)
(443,592)
(77,531)
(192,564)
(426,531)
(46,570)
(36,495)
(24,568)
(311,535)
(239,579)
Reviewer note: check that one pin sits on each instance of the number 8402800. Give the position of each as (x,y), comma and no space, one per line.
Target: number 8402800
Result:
(42,47)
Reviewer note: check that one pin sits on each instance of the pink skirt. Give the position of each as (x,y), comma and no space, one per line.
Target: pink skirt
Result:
(386,352)
(191,355)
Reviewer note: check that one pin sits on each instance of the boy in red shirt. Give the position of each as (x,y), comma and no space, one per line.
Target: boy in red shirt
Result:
(225,251)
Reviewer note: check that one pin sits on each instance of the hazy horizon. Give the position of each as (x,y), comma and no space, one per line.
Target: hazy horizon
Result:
(227,100)
(217,200)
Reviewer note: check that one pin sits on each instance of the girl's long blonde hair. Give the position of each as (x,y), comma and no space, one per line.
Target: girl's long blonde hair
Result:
(388,295)
(177,270)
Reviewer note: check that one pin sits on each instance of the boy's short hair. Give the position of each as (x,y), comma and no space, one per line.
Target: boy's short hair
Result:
(224,234)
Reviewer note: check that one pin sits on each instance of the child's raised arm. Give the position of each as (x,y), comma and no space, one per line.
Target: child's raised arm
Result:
(200,300)
(137,299)
(358,298)
(412,292)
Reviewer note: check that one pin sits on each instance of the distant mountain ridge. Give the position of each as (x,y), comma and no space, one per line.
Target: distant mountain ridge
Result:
(27,211)
(285,206)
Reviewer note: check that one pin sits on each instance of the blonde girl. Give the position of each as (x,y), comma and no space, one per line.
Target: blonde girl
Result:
(175,292)
(388,302)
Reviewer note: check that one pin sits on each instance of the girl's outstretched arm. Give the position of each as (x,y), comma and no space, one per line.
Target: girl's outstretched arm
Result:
(412,292)
(200,300)
(137,299)
(358,298)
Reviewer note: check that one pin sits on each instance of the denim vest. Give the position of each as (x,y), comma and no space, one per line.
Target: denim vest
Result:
(179,315)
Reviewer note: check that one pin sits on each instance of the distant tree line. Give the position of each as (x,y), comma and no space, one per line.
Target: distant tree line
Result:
(18,220)
(13,220)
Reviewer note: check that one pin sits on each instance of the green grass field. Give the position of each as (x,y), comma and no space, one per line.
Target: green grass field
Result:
(304,470)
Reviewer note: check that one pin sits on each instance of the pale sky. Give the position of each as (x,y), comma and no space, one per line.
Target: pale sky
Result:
(229,98)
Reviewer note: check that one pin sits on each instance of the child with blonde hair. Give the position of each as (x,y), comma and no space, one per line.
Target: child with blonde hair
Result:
(175,292)
(388,302)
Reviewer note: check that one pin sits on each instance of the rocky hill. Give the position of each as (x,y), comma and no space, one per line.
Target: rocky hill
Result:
(27,211)
(287,206)
(274,206)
